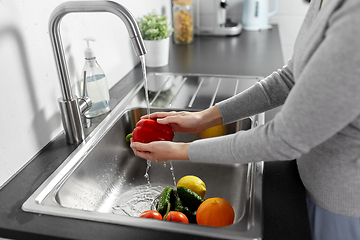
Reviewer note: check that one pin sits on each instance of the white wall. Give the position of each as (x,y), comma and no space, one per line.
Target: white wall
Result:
(29,83)
(289,18)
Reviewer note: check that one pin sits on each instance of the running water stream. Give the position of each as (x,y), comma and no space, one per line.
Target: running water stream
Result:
(143,67)
(139,199)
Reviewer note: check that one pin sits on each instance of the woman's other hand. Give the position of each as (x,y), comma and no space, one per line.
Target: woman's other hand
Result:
(189,121)
(161,151)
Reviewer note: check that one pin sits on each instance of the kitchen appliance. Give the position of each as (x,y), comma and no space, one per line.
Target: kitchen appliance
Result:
(210,19)
(255,15)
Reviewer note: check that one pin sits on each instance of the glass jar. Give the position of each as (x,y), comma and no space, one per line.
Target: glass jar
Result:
(183,21)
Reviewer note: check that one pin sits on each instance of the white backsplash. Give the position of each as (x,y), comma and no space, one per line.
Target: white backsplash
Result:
(30,87)
(289,18)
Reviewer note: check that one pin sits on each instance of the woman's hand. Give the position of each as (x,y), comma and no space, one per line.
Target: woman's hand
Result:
(161,151)
(189,121)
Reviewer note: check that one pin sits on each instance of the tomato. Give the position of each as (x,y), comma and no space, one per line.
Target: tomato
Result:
(175,216)
(151,214)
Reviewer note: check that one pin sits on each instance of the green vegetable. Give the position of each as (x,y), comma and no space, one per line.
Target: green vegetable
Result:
(154,27)
(128,137)
(168,206)
(179,207)
(165,200)
(189,198)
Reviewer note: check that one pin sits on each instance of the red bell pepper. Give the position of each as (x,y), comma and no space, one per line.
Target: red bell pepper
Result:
(148,130)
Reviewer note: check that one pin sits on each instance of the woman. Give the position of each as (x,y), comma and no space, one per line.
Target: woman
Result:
(319,123)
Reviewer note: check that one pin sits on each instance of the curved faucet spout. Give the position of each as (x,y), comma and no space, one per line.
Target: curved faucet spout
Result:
(88,6)
(74,132)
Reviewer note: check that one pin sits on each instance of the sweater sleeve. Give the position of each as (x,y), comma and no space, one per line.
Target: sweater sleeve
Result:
(269,93)
(324,100)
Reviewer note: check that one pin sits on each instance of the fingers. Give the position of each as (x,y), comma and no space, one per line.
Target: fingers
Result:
(140,150)
(144,151)
(152,151)
(139,146)
(167,120)
(145,155)
(161,151)
(165,117)
(159,115)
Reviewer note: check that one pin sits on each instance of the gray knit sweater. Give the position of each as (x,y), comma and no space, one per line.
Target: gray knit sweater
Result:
(319,123)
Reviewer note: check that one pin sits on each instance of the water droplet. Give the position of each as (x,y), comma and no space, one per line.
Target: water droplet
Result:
(147,170)
(173,173)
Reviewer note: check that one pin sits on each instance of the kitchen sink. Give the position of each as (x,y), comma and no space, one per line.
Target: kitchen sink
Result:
(102,180)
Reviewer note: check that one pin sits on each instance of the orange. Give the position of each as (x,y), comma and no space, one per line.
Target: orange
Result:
(215,212)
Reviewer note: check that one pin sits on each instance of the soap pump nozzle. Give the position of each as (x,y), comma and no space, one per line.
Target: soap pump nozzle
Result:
(88,52)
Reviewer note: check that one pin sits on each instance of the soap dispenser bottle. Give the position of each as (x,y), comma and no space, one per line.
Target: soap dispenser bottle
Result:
(94,84)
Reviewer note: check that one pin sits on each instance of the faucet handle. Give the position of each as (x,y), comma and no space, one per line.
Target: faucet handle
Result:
(84,103)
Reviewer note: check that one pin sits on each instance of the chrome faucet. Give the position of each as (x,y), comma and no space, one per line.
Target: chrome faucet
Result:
(71,107)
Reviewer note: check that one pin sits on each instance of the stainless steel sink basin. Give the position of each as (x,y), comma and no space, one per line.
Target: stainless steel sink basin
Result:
(103,181)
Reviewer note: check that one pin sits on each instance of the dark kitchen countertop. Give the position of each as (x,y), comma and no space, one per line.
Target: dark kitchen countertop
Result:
(284,206)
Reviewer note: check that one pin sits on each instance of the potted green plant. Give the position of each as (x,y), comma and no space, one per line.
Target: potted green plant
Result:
(156,33)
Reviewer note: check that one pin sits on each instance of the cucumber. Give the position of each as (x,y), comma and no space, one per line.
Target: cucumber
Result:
(189,198)
(165,199)
(179,206)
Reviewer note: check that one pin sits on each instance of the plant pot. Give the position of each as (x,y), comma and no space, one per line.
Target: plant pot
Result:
(157,52)
(159,82)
